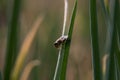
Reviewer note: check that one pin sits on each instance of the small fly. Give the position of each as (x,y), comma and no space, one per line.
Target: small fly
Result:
(60,41)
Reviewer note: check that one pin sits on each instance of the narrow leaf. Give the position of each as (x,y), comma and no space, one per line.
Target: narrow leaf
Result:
(60,72)
(66,47)
(97,71)
(11,50)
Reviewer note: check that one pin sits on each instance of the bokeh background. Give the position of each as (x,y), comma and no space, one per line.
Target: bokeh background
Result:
(79,62)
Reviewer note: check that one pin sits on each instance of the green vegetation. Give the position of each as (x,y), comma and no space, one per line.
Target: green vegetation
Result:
(60,73)
(18,66)
(94,41)
(12,40)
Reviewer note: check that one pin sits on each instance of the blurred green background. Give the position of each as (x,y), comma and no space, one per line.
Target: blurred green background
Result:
(79,63)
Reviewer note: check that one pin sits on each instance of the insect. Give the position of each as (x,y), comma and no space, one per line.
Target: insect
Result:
(60,41)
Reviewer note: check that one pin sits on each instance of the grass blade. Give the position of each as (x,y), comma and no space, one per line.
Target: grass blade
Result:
(110,74)
(94,39)
(60,73)
(111,65)
(12,40)
(60,58)
(66,47)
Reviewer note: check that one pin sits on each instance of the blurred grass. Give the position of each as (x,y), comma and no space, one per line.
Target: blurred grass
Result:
(28,69)
(111,69)
(112,47)
(11,51)
(96,62)
(117,37)
(25,49)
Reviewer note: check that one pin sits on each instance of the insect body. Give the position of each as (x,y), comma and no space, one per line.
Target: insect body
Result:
(60,41)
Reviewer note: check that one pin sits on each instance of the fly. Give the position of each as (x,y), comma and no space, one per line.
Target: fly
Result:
(60,41)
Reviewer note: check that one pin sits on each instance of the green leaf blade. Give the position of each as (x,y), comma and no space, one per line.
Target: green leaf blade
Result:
(60,73)
(67,44)
(11,51)
(94,41)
